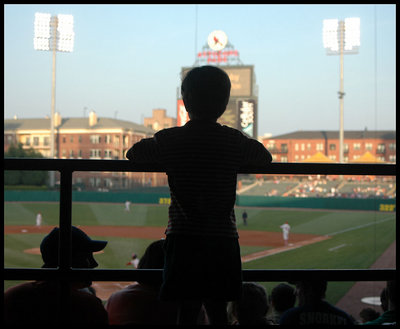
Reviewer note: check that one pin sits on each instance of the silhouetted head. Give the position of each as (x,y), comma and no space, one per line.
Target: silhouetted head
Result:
(153,258)
(82,248)
(310,290)
(283,297)
(205,92)
(252,307)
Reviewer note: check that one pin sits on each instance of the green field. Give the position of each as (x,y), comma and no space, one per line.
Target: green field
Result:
(357,238)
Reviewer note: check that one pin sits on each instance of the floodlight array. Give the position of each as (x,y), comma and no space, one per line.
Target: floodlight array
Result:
(42,36)
(352,33)
(330,35)
(44,32)
(65,33)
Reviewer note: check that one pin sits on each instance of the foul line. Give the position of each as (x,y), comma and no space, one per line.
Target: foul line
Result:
(269,252)
(361,226)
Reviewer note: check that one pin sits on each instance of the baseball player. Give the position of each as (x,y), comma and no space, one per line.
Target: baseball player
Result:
(285,230)
(127,205)
(244,217)
(39,219)
(134,261)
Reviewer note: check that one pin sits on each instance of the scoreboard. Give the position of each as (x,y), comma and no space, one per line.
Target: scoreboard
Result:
(241,111)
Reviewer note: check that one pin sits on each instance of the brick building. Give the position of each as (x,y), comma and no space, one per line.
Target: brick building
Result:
(301,145)
(85,138)
(159,120)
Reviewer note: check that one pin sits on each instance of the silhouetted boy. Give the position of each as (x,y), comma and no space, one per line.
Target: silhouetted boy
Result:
(201,159)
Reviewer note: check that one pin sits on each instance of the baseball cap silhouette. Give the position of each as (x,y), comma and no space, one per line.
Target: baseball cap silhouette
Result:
(80,242)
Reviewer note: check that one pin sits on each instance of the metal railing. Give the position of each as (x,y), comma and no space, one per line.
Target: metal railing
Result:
(65,274)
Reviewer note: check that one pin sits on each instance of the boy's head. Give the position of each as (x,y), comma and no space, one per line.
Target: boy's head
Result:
(205,92)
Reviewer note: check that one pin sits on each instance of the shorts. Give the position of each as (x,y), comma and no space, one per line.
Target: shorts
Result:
(201,268)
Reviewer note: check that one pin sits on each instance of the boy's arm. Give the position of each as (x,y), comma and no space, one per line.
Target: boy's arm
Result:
(144,151)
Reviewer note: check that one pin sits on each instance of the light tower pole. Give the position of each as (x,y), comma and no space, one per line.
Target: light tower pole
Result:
(53,33)
(340,38)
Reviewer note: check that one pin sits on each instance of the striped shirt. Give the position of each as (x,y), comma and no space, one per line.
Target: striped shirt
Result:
(201,159)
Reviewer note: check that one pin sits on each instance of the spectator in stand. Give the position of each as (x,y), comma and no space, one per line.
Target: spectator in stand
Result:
(389,316)
(368,314)
(313,309)
(37,302)
(384,300)
(138,304)
(283,297)
(202,159)
(252,307)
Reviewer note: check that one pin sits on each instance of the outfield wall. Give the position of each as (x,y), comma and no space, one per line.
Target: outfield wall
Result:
(377,204)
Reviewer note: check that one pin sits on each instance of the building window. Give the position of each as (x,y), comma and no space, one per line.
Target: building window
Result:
(345,147)
(95,139)
(71,154)
(332,147)
(64,139)
(80,139)
(95,153)
(46,141)
(283,158)
(356,146)
(284,148)
(64,154)
(302,146)
(108,139)
(392,146)
(27,140)
(332,156)
(319,147)
(116,140)
(80,154)
(107,154)
(308,147)
(368,146)
(71,138)
(296,147)
(380,148)
(392,158)
(36,141)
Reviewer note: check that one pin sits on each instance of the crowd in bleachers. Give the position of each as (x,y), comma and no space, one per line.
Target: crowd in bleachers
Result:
(322,186)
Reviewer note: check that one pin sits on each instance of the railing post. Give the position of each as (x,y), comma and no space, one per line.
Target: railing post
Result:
(65,244)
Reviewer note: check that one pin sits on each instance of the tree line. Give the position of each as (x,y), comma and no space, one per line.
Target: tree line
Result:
(24,177)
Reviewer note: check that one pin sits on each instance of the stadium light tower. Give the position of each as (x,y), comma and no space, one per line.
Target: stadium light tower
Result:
(53,33)
(340,38)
